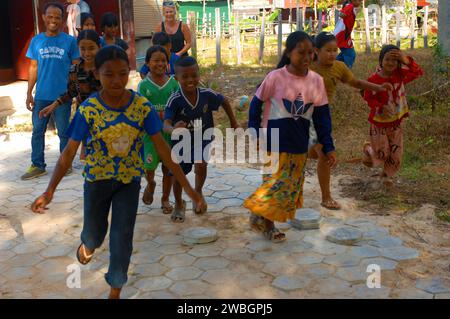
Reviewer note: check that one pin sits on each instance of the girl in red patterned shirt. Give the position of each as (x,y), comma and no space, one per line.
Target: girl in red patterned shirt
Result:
(387,111)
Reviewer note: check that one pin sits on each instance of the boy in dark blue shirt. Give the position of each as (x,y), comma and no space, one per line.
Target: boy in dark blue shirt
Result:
(162,39)
(191,107)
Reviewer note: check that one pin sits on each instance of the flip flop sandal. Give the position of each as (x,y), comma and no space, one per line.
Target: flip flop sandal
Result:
(87,258)
(274,235)
(179,214)
(331,205)
(147,198)
(256,223)
(199,211)
(166,207)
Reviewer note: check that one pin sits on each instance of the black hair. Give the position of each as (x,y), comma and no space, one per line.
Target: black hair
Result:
(108,53)
(109,19)
(85,16)
(160,38)
(291,42)
(185,62)
(385,49)
(153,49)
(54,5)
(323,38)
(89,35)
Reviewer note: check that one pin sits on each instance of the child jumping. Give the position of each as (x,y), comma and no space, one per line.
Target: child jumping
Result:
(157,87)
(82,80)
(191,107)
(387,111)
(114,121)
(162,39)
(343,32)
(332,72)
(292,95)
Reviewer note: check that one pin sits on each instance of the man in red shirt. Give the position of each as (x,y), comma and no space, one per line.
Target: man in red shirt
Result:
(343,32)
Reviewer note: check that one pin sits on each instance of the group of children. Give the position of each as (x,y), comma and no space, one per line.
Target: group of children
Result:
(126,134)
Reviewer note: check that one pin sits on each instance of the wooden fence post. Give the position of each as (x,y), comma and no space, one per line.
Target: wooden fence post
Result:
(413,25)
(397,29)
(280,35)
(193,27)
(238,39)
(320,21)
(366,20)
(383,25)
(290,20)
(218,32)
(261,39)
(425,28)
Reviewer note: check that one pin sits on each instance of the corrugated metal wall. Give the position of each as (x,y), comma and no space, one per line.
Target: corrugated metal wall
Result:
(147,15)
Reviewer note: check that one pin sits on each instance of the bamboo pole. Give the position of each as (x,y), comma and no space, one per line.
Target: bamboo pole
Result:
(280,35)
(413,25)
(366,20)
(218,32)
(261,39)
(193,27)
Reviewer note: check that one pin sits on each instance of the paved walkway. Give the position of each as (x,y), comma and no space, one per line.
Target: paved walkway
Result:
(36,250)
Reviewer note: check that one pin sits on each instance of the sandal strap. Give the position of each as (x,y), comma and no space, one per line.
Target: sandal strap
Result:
(85,255)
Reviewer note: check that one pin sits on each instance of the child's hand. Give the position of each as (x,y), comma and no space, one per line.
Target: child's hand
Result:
(48,110)
(386,87)
(30,102)
(402,58)
(180,124)
(332,159)
(199,201)
(40,204)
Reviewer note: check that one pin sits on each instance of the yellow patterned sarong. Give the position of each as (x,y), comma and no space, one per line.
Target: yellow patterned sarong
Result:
(281,192)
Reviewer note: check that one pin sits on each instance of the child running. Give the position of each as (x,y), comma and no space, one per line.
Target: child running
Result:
(87,21)
(157,88)
(387,111)
(332,72)
(109,25)
(292,95)
(82,80)
(114,121)
(191,107)
(343,32)
(162,39)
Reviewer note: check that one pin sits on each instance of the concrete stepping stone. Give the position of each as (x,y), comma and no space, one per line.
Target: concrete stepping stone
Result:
(343,235)
(199,235)
(434,285)
(306,218)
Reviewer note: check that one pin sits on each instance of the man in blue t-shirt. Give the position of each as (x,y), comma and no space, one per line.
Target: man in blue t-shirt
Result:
(52,53)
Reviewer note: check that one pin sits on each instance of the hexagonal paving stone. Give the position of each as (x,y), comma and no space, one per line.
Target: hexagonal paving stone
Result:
(364,251)
(342,260)
(330,286)
(375,232)
(317,271)
(172,249)
(275,269)
(25,260)
(8,244)
(28,248)
(149,270)
(253,280)
(5,255)
(207,250)
(179,260)
(229,202)
(168,239)
(352,274)
(434,285)
(219,276)
(385,242)
(237,254)
(56,251)
(184,273)
(207,263)
(19,273)
(235,210)
(219,187)
(268,256)
(324,247)
(411,293)
(297,246)
(188,287)
(225,194)
(363,292)
(442,296)
(385,264)
(260,245)
(309,258)
(146,257)
(153,283)
(290,282)
(343,235)
(399,253)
